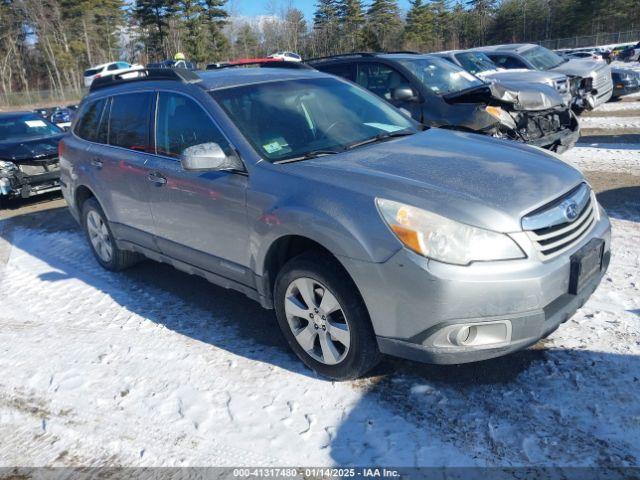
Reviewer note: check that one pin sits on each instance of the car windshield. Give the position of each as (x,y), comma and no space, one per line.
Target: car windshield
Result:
(25,126)
(440,76)
(296,118)
(542,58)
(475,62)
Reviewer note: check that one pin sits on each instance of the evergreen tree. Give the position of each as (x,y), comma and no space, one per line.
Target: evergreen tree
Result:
(153,16)
(352,18)
(326,13)
(216,17)
(384,25)
(246,42)
(419,28)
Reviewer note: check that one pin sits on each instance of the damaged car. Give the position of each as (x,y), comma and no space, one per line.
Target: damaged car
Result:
(28,155)
(438,93)
(480,65)
(625,82)
(591,81)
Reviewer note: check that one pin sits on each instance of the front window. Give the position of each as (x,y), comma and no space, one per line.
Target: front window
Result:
(440,76)
(26,126)
(475,62)
(542,58)
(290,119)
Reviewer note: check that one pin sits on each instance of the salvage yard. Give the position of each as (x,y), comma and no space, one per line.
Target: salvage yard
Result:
(155,367)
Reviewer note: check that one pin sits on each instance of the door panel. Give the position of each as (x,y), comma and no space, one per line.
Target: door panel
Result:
(200,217)
(122,165)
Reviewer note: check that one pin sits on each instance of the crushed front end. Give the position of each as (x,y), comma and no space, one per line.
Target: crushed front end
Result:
(25,178)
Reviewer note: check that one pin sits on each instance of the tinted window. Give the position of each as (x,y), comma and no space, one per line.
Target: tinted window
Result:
(504,61)
(182,123)
(113,66)
(344,70)
(89,121)
(475,62)
(542,58)
(288,119)
(129,121)
(380,79)
(92,72)
(440,76)
(123,65)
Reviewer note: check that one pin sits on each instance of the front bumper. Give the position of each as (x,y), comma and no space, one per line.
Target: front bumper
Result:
(413,300)
(20,185)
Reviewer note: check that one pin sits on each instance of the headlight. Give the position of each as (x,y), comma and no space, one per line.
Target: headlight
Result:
(7,167)
(500,115)
(443,239)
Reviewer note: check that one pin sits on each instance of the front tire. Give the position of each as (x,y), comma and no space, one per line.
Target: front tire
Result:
(101,239)
(323,317)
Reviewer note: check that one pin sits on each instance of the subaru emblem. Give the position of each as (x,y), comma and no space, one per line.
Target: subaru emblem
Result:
(571,211)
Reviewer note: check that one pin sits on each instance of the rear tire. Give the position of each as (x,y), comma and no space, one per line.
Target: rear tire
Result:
(101,239)
(323,317)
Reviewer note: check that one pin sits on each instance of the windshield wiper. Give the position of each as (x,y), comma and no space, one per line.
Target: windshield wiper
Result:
(380,137)
(308,156)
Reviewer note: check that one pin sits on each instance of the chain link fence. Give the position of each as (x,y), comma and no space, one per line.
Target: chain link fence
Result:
(631,36)
(38,98)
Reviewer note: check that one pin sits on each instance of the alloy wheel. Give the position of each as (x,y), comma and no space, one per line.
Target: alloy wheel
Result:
(317,321)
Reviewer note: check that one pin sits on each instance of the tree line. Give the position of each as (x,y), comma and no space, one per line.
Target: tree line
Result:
(47,44)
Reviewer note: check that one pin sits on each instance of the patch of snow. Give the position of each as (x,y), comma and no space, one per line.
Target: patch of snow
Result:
(617,107)
(104,368)
(610,123)
(602,157)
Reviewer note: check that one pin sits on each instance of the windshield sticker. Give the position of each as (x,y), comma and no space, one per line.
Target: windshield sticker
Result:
(385,127)
(35,123)
(278,145)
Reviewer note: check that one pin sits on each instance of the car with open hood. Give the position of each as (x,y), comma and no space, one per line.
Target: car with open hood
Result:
(480,65)
(367,232)
(28,155)
(439,93)
(593,84)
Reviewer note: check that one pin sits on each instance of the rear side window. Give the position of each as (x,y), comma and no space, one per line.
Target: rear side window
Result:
(129,121)
(507,62)
(181,123)
(89,120)
(91,72)
(344,70)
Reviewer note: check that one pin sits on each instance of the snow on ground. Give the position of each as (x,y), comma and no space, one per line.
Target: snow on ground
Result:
(605,157)
(103,368)
(610,123)
(616,107)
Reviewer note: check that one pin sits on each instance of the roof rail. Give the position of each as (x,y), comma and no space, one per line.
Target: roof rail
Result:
(406,52)
(176,74)
(342,55)
(261,62)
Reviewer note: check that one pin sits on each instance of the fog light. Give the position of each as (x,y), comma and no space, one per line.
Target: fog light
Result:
(477,335)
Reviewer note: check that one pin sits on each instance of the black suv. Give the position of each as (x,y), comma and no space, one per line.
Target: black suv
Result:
(440,94)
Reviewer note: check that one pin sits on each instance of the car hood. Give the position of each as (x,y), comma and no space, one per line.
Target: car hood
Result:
(29,149)
(526,96)
(471,178)
(522,75)
(579,67)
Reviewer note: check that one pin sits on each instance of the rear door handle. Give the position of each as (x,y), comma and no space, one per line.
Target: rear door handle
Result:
(156,178)
(96,163)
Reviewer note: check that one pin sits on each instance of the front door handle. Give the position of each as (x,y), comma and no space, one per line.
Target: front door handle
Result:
(96,163)
(156,178)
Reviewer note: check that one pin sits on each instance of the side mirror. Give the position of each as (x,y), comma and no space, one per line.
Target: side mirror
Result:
(208,156)
(403,94)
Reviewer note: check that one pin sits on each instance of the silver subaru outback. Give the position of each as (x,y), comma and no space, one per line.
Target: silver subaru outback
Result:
(367,233)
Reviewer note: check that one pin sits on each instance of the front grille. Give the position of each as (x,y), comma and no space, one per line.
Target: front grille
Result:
(562,86)
(38,168)
(602,81)
(558,236)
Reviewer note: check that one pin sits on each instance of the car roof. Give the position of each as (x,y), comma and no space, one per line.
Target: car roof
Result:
(508,47)
(234,77)
(214,79)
